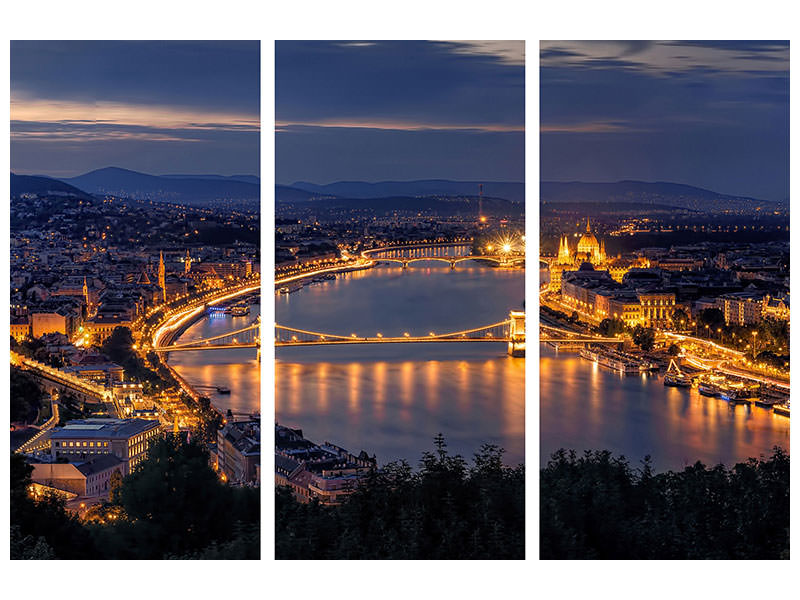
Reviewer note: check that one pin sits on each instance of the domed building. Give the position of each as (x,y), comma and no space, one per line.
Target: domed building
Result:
(588,246)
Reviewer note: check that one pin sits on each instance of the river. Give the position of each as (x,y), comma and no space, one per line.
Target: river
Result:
(235,369)
(585,406)
(391,400)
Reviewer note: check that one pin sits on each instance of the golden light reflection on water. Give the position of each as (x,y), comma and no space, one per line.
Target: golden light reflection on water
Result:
(394,408)
(583,406)
(353,371)
(380,391)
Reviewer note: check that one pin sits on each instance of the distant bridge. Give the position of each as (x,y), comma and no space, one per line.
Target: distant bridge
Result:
(451,253)
(558,335)
(246,337)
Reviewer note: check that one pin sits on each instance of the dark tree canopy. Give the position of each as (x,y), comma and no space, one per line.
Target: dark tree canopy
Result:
(171,506)
(447,509)
(596,506)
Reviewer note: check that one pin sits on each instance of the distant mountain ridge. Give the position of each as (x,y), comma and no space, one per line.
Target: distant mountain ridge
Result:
(508,190)
(246,178)
(22,185)
(186,189)
(441,205)
(647,193)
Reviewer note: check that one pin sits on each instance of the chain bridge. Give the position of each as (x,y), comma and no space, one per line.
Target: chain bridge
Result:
(561,336)
(510,332)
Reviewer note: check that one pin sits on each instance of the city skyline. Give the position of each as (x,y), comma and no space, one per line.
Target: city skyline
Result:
(399,110)
(177,107)
(712,114)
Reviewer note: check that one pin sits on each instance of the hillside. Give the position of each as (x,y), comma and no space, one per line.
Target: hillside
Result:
(513,191)
(443,206)
(191,189)
(649,193)
(22,185)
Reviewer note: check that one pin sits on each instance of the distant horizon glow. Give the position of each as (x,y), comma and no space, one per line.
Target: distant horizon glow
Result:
(152,107)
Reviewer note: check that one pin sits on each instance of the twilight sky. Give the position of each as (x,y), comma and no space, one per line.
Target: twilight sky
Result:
(714,114)
(152,106)
(399,110)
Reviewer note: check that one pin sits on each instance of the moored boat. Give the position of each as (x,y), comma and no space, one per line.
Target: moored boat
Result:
(675,377)
(781,409)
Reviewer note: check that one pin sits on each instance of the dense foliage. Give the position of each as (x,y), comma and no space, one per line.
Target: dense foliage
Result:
(26,399)
(444,510)
(596,506)
(119,348)
(171,506)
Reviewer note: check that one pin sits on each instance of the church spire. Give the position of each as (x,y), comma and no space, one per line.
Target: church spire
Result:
(588,230)
(86,293)
(162,277)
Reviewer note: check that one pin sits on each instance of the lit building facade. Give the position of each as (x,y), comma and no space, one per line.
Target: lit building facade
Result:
(81,440)
(588,250)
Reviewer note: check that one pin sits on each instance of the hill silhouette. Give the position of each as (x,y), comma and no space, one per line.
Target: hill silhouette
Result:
(648,193)
(513,191)
(43,186)
(190,189)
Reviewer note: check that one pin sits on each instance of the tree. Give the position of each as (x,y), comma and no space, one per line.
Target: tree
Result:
(713,317)
(26,399)
(674,350)
(446,509)
(596,506)
(644,337)
(115,487)
(612,327)
(177,505)
(679,318)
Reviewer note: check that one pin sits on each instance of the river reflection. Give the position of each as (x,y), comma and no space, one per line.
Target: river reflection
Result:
(392,400)
(584,406)
(236,369)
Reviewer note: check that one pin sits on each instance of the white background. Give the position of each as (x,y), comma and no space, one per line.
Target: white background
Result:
(410,19)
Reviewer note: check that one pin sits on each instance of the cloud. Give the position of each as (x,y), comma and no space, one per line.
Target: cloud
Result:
(668,57)
(589,127)
(398,125)
(506,51)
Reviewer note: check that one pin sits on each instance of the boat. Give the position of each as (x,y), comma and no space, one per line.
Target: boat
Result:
(283,290)
(708,389)
(781,409)
(612,360)
(766,402)
(733,396)
(239,310)
(675,377)
(223,390)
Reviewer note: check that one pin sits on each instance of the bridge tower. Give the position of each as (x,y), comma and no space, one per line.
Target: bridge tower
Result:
(516,333)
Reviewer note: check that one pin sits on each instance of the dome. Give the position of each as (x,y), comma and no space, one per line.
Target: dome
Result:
(588,244)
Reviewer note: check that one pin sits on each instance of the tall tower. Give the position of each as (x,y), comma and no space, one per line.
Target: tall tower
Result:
(481,218)
(162,276)
(187,263)
(86,295)
(563,251)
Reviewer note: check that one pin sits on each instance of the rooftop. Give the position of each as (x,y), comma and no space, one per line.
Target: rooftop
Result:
(103,428)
